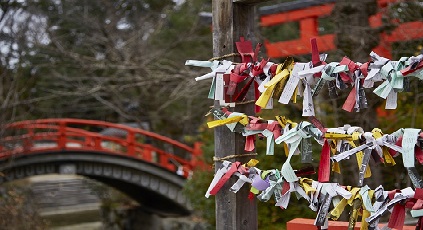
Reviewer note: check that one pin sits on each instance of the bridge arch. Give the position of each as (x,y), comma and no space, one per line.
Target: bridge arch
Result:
(151,175)
(157,190)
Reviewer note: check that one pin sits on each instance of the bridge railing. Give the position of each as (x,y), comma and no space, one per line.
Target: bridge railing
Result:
(58,135)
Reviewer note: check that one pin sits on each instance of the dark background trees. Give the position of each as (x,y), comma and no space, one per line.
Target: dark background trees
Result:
(120,61)
(123,61)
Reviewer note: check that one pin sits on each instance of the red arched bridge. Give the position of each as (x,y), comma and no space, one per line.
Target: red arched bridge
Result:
(146,166)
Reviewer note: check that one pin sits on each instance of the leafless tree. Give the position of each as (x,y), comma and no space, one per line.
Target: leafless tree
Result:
(121,61)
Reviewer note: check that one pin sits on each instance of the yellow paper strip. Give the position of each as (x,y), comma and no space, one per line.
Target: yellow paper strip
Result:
(230,120)
(267,94)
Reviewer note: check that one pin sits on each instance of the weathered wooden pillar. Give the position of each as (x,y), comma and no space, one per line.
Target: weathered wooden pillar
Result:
(231,20)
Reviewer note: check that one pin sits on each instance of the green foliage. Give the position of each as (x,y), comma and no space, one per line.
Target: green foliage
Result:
(196,187)
(326,26)
(269,216)
(282,32)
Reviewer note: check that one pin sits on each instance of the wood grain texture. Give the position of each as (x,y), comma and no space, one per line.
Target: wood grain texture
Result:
(230,21)
(249,1)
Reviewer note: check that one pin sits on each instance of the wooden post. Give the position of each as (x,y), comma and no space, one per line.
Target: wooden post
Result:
(231,20)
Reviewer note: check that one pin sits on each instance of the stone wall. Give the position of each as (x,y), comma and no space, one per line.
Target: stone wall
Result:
(136,218)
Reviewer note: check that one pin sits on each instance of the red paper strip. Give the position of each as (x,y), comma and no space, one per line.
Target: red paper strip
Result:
(418,205)
(410,69)
(305,171)
(313,120)
(234,80)
(398,143)
(245,48)
(226,111)
(315,58)
(419,225)
(410,203)
(324,166)
(251,196)
(397,217)
(244,91)
(285,187)
(222,181)
(350,102)
(351,67)
(392,193)
(364,69)
(272,69)
(258,69)
(275,128)
(256,124)
(226,79)
(418,193)
(236,76)
(249,143)
(418,152)
(257,108)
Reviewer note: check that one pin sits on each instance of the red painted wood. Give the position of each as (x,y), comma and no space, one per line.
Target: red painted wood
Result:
(299,46)
(302,223)
(384,50)
(130,138)
(405,32)
(308,19)
(375,20)
(308,28)
(296,15)
(61,134)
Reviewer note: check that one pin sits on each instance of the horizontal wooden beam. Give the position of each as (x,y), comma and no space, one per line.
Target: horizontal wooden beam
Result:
(299,46)
(279,18)
(292,5)
(405,32)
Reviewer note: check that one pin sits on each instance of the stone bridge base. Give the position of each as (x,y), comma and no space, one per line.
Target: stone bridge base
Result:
(136,218)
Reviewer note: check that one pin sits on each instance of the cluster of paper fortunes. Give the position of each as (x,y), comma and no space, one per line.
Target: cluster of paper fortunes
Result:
(337,143)
(364,202)
(284,82)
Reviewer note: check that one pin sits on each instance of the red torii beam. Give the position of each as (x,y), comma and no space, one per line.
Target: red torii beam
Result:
(307,15)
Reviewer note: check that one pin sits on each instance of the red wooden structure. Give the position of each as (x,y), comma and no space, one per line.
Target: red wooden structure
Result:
(301,223)
(73,135)
(308,14)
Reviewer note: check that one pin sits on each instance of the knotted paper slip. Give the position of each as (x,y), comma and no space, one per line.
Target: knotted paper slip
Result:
(286,81)
(337,143)
(329,200)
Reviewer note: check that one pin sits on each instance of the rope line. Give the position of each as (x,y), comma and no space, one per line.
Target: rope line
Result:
(233,156)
